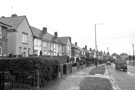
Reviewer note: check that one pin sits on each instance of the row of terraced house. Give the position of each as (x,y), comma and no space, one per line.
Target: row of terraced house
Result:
(19,38)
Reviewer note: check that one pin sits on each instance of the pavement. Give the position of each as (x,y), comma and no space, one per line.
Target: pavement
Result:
(72,81)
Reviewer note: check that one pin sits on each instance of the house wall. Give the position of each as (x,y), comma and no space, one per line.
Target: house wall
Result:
(11,42)
(26,47)
(60,50)
(37,46)
(68,48)
(45,47)
(3,41)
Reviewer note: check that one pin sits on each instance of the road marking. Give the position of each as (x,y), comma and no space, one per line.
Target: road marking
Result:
(112,80)
(114,84)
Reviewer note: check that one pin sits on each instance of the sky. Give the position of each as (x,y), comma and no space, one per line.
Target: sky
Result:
(114,19)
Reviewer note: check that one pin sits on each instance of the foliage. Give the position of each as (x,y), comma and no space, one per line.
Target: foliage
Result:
(26,68)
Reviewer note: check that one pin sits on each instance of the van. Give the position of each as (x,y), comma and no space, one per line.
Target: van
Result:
(121,64)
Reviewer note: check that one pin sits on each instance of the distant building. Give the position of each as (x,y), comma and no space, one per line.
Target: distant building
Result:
(116,56)
(124,56)
(76,51)
(86,53)
(67,45)
(100,55)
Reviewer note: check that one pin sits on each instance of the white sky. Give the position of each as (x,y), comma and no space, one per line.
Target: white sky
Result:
(76,18)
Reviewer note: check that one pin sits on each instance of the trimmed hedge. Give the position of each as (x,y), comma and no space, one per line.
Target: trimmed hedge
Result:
(26,68)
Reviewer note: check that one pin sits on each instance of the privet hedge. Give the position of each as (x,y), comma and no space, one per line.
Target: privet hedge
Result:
(24,70)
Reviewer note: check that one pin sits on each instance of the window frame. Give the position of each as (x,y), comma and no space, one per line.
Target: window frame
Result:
(24,37)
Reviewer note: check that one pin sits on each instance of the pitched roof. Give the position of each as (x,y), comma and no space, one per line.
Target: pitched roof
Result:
(56,40)
(12,21)
(74,46)
(64,40)
(47,36)
(100,53)
(5,25)
(36,32)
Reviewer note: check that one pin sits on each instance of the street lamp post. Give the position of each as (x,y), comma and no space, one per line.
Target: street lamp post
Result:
(96,63)
(96,39)
(95,42)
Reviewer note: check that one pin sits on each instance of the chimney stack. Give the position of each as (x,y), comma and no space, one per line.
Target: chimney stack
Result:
(44,30)
(14,15)
(55,34)
(90,49)
(86,47)
(76,43)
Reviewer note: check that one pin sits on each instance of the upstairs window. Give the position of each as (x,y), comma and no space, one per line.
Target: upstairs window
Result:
(0,32)
(24,37)
(44,44)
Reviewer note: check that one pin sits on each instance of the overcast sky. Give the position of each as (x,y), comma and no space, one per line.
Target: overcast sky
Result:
(76,18)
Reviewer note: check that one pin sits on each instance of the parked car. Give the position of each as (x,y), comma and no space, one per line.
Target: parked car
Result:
(108,63)
(121,64)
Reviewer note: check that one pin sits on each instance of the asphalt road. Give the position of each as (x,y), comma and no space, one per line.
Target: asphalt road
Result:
(125,80)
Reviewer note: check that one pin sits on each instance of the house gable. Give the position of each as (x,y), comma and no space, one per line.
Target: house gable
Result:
(25,47)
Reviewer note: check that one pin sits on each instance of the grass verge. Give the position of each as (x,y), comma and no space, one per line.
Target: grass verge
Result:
(131,64)
(98,70)
(95,83)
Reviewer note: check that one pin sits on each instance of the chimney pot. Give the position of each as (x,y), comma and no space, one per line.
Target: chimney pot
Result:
(76,43)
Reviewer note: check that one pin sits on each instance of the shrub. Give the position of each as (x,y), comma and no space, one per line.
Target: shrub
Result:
(25,69)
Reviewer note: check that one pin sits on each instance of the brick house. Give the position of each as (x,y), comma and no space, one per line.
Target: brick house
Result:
(57,47)
(20,41)
(47,44)
(76,51)
(37,39)
(67,45)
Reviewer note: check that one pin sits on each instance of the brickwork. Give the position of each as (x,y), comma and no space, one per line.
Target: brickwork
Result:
(3,41)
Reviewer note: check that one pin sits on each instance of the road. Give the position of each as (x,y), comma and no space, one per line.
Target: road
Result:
(125,80)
